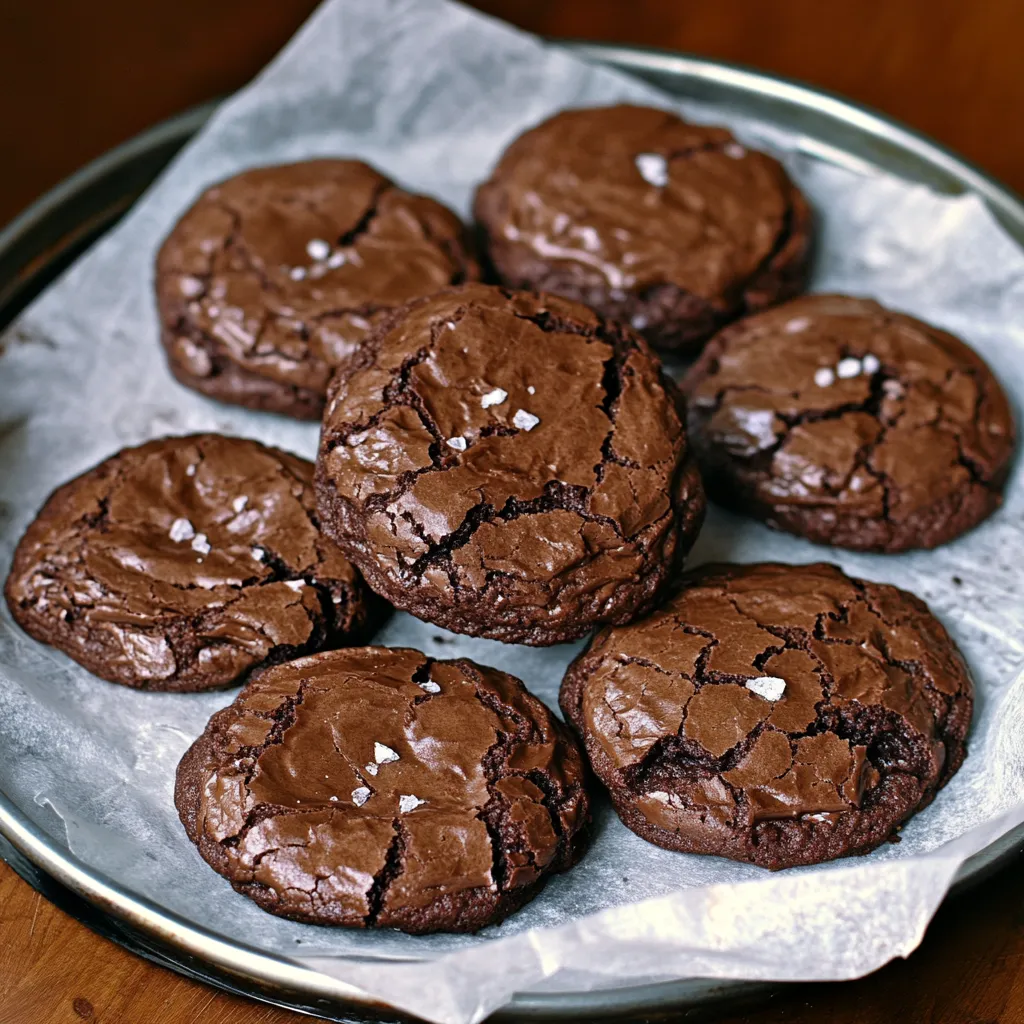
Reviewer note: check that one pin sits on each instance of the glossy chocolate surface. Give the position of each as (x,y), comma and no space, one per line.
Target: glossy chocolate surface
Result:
(508,465)
(378,787)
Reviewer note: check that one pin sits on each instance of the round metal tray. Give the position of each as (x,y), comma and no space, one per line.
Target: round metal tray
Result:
(48,236)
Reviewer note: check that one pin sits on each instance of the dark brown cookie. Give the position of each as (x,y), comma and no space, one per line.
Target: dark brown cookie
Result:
(185,563)
(843,422)
(672,227)
(378,787)
(770,713)
(509,466)
(275,275)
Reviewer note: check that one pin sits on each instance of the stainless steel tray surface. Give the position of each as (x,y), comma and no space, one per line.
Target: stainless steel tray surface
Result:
(48,236)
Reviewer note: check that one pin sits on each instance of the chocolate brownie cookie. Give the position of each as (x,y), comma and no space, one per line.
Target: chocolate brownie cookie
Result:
(378,787)
(770,713)
(508,465)
(183,564)
(843,422)
(275,275)
(672,227)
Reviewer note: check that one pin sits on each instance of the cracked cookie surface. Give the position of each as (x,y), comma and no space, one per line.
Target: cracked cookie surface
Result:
(672,227)
(379,787)
(841,421)
(771,713)
(508,465)
(277,274)
(183,564)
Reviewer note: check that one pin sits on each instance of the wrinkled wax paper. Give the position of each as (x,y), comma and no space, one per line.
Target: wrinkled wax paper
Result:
(431,93)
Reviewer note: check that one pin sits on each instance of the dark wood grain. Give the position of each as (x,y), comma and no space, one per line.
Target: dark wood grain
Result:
(951,68)
(54,970)
(77,78)
(969,970)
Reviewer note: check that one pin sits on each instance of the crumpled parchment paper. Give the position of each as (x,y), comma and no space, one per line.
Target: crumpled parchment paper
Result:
(431,92)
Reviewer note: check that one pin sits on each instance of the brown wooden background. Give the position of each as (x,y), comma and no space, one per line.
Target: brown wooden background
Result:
(78,76)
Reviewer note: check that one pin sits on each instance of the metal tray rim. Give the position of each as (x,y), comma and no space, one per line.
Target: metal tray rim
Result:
(277,971)
(861,116)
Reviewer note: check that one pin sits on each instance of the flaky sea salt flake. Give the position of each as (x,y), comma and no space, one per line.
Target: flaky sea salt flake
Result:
(181,529)
(239,503)
(769,687)
(430,687)
(653,168)
(525,420)
(318,249)
(495,397)
(824,377)
(383,754)
(408,803)
(458,443)
(360,796)
(847,368)
(200,544)
(190,286)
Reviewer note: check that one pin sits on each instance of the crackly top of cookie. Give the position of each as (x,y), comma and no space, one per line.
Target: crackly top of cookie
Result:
(287,268)
(486,432)
(837,401)
(789,689)
(378,782)
(635,196)
(182,563)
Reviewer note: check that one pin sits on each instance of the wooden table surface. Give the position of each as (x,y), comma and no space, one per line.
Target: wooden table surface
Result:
(77,78)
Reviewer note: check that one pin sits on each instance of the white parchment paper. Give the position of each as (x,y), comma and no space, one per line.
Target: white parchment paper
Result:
(431,93)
